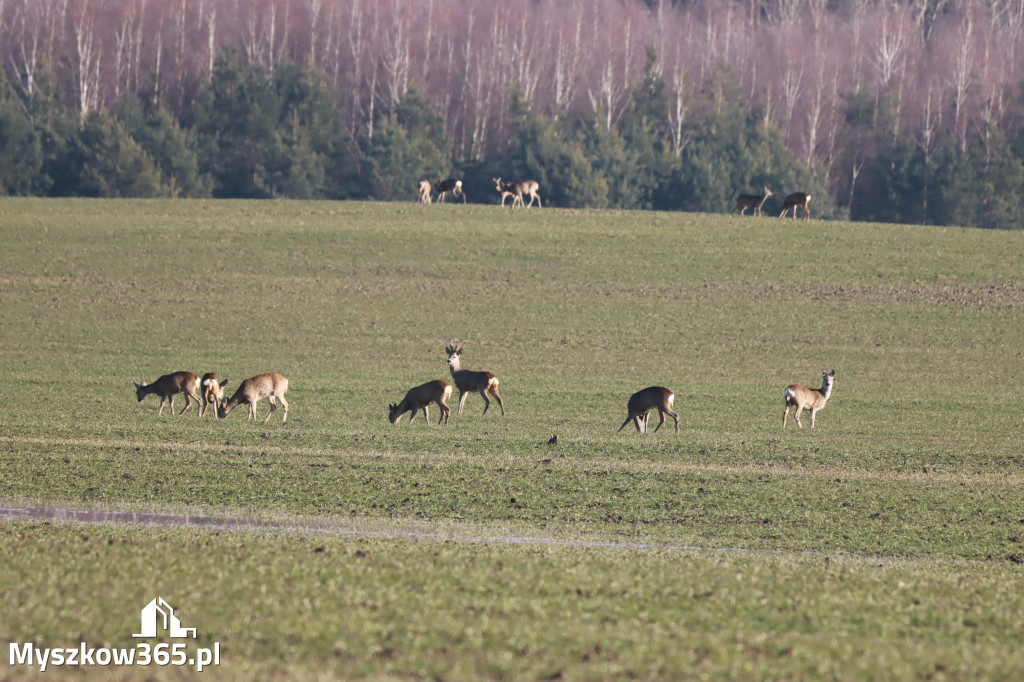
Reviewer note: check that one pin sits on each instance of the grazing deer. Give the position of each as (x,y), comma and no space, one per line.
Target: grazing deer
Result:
(212,392)
(643,402)
(794,201)
(803,398)
(449,186)
(168,386)
(271,386)
(745,201)
(422,397)
(424,191)
(472,382)
(516,190)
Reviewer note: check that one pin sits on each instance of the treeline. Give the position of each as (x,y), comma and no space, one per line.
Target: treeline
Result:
(905,112)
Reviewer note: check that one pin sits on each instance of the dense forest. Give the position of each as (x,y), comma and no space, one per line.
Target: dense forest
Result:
(889,110)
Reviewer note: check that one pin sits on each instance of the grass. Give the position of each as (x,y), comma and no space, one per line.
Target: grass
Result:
(314,607)
(916,455)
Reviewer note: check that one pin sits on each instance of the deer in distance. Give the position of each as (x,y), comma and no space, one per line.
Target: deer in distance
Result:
(643,402)
(212,392)
(271,386)
(745,201)
(449,186)
(516,190)
(468,381)
(424,191)
(803,398)
(168,386)
(422,397)
(794,201)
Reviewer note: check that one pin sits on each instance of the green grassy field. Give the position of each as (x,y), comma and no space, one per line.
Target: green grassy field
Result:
(916,458)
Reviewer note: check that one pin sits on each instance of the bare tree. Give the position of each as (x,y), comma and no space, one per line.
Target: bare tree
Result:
(89,55)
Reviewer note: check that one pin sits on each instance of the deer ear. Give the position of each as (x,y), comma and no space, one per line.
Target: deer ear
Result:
(833,373)
(223,383)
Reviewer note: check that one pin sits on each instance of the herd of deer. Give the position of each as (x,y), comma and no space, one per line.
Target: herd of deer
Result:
(452,186)
(210,390)
(273,386)
(793,201)
(530,188)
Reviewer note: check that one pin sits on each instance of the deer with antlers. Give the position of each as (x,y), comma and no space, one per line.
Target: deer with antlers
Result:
(422,397)
(642,403)
(794,201)
(745,201)
(449,186)
(803,398)
(168,386)
(424,191)
(468,381)
(516,190)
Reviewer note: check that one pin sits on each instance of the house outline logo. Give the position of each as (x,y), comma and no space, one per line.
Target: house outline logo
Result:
(151,616)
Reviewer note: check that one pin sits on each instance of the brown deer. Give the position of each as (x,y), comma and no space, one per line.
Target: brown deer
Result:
(424,191)
(271,386)
(449,186)
(643,402)
(745,201)
(794,201)
(516,190)
(212,392)
(168,386)
(421,397)
(472,382)
(803,398)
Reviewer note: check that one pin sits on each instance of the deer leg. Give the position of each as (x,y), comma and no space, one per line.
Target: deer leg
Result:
(784,416)
(426,415)
(814,413)
(284,417)
(796,414)
(445,412)
(188,404)
(661,419)
(252,411)
(487,403)
(674,416)
(273,406)
(161,412)
(494,392)
(628,419)
(462,399)
(171,400)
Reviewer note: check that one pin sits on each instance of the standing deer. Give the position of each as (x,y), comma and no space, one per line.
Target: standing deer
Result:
(745,201)
(794,201)
(516,190)
(271,386)
(212,392)
(449,186)
(423,396)
(803,398)
(643,402)
(424,191)
(168,386)
(472,382)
